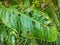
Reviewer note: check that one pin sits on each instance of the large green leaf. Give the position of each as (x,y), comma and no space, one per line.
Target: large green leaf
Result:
(35,25)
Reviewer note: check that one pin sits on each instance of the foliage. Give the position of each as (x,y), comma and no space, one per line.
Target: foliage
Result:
(28,22)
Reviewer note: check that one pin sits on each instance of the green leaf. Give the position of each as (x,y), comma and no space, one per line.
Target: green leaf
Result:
(39,26)
(58,40)
(59,3)
(11,40)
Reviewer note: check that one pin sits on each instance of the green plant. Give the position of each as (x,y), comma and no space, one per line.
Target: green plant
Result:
(26,19)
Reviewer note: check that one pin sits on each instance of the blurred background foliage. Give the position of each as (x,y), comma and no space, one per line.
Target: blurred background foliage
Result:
(11,34)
